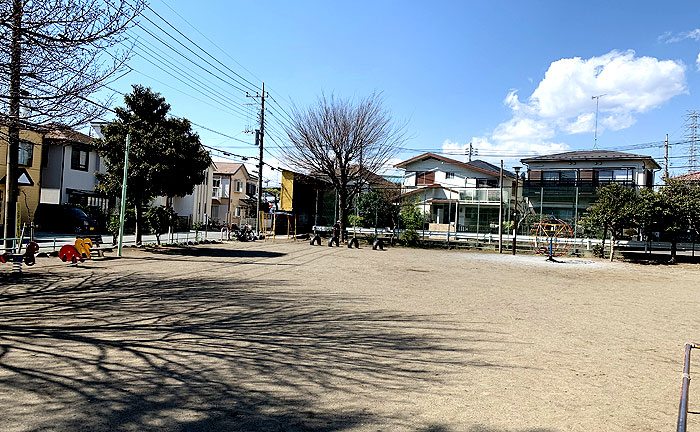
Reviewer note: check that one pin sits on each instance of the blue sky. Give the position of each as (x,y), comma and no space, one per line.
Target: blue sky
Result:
(511,77)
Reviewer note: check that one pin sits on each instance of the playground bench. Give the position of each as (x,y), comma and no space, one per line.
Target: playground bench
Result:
(97,245)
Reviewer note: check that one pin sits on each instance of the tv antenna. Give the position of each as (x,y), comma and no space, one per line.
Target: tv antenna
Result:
(595,136)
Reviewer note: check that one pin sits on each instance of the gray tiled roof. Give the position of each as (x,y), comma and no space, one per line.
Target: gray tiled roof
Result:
(586,155)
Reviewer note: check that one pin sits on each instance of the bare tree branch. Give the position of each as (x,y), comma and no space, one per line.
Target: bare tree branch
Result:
(345,141)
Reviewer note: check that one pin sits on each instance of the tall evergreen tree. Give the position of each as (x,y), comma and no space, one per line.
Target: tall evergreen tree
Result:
(165,157)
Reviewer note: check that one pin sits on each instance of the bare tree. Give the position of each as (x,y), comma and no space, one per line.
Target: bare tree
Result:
(53,55)
(345,141)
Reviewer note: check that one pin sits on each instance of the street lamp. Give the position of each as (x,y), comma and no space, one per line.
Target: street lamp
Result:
(515,208)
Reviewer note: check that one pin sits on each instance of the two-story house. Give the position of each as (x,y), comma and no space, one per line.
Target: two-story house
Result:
(463,194)
(68,168)
(28,173)
(233,189)
(565,184)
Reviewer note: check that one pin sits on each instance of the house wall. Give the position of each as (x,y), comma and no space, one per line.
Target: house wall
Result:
(462,176)
(28,198)
(58,176)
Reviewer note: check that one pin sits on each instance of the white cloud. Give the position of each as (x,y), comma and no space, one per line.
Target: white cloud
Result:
(669,37)
(697,62)
(562,103)
(630,84)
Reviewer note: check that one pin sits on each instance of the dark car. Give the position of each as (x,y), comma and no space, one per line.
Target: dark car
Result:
(63,219)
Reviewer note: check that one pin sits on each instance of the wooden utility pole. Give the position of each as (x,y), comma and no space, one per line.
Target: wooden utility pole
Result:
(259,139)
(11,192)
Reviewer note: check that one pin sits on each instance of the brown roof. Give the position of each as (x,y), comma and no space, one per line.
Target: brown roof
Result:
(477,165)
(689,177)
(227,167)
(66,134)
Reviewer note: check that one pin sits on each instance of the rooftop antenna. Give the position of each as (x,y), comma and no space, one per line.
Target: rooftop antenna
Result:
(595,136)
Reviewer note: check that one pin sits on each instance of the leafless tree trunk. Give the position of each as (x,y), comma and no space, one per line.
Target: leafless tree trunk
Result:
(53,54)
(343,141)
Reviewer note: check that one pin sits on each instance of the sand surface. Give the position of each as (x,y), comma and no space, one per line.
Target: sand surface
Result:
(285,336)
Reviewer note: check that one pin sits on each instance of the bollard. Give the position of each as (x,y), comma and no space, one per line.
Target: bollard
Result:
(378,244)
(355,242)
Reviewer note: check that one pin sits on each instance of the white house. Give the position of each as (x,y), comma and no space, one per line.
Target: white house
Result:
(464,194)
(196,206)
(68,166)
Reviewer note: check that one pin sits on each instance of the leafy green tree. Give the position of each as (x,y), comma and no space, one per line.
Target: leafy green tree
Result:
(650,212)
(681,201)
(375,209)
(165,156)
(159,219)
(613,210)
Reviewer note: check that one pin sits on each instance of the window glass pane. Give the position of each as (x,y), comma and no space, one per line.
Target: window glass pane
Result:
(26,151)
(550,175)
(622,175)
(606,175)
(568,175)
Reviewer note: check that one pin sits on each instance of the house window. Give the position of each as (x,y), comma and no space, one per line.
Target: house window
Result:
(568,176)
(215,211)
(550,176)
(239,186)
(237,212)
(79,159)
(486,183)
(449,175)
(216,188)
(26,153)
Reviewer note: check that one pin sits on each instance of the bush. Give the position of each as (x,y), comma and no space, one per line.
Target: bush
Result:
(410,237)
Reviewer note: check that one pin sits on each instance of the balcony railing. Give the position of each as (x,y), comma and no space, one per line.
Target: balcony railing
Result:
(568,187)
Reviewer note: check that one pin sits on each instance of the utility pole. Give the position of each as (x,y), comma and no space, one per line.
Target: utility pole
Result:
(259,138)
(472,151)
(500,210)
(691,134)
(595,136)
(666,159)
(11,189)
(515,209)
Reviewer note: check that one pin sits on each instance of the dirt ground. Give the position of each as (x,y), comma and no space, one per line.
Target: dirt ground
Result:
(286,336)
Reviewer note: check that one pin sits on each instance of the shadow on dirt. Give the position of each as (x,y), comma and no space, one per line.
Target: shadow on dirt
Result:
(122,351)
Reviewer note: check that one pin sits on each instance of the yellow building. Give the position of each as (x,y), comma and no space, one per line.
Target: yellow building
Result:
(30,153)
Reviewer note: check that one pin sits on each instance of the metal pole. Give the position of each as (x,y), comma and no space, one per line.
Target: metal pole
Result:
(666,159)
(122,211)
(449,213)
(541,201)
(685,388)
(500,210)
(478,217)
(316,215)
(515,209)
(456,216)
(575,219)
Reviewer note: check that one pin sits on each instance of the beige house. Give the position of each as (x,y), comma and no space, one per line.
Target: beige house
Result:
(29,173)
(233,193)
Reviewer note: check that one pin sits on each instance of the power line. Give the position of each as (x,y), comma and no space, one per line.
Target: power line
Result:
(253,86)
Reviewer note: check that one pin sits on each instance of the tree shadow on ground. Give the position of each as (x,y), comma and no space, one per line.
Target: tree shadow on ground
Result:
(122,351)
(214,252)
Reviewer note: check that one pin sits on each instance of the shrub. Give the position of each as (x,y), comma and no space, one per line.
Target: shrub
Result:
(410,237)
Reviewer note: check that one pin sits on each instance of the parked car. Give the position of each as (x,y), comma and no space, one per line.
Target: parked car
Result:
(63,219)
